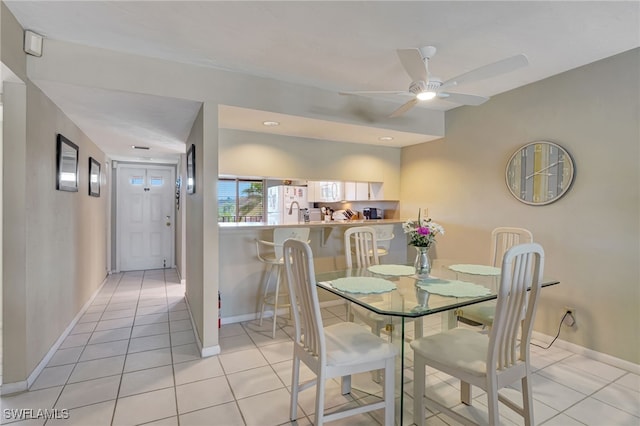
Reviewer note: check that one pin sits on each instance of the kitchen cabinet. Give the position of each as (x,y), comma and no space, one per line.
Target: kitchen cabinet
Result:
(356,191)
(376,191)
(325,191)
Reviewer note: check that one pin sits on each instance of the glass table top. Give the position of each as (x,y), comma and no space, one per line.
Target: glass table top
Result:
(406,295)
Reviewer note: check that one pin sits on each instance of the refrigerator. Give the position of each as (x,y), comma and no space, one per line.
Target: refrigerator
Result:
(279,199)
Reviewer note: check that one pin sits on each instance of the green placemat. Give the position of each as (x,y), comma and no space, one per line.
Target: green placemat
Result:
(392,270)
(476,269)
(363,285)
(453,288)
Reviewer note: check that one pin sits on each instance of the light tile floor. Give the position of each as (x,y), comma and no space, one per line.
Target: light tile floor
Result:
(132,359)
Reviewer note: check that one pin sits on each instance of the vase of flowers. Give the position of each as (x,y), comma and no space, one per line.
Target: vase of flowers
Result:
(422,235)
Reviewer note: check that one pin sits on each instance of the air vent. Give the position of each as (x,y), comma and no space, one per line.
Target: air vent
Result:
(140,147)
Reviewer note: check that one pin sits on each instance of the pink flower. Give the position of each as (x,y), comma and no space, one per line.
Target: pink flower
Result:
(423,230)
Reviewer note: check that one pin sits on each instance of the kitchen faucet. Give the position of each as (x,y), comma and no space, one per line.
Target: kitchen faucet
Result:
(291,209)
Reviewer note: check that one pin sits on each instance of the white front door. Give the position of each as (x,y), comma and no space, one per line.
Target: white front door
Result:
(145,209)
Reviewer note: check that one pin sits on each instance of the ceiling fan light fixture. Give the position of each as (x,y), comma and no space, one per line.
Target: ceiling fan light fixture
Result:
(425,96)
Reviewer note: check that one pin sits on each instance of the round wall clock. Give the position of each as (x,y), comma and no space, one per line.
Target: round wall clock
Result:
(539,173)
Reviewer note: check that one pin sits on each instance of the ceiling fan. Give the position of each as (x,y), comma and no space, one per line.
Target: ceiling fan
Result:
(425,87)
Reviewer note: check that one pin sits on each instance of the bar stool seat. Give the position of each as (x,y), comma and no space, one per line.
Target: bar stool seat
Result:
(270,253)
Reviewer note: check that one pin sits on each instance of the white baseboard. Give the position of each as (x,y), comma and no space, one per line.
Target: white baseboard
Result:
(589,353)
(24,385)
(282,311)
(9,388)
(204,351)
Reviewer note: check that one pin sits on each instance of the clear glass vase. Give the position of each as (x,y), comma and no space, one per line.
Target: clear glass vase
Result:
(422,263)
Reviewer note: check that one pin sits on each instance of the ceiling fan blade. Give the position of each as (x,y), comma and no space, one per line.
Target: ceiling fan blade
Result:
(404,108)
(377,92)
(460,98)
(414,64)
(490,70)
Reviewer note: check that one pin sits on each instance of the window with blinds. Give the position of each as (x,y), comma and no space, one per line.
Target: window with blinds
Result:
(240,200)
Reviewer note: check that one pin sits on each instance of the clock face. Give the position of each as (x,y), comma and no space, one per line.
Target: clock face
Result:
(539,173)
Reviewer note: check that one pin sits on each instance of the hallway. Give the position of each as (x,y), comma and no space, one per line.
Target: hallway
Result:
(132,359)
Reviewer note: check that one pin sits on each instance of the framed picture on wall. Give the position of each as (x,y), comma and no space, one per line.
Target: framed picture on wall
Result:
(66,165)
(94,177)
(191,170)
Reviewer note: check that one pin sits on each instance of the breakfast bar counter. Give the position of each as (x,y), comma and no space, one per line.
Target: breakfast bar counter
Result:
(242,275)
(313,224)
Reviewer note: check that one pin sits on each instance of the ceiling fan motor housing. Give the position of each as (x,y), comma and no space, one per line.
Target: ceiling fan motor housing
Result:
(422,86)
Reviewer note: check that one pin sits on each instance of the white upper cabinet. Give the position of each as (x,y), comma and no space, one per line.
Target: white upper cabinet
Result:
(376,191)
(325,191)
(330,191)
(356,191)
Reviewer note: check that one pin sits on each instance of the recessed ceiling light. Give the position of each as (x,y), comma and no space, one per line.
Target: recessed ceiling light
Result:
(271,123)
(385,138)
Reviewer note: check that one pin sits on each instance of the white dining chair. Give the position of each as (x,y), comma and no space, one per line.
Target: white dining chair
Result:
(359,242)
(502,239)
(270,253)
(491,361)
(360,245)
(338,350)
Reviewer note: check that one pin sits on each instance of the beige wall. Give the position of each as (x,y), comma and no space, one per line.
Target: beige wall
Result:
(591,236)
(192,205)
(201,249)
(55,252)
(11,37)
(259,154)
(54,243)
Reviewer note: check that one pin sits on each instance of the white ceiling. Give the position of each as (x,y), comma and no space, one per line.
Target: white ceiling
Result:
(338,46)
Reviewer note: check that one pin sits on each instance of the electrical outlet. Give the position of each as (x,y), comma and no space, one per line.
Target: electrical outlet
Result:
(570,317)
(425,212)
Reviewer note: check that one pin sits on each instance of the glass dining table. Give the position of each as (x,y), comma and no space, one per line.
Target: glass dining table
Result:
(397,294)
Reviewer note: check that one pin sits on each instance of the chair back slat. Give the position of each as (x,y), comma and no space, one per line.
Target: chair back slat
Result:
(298,262)
(360,247)
(503,238)
(522,268)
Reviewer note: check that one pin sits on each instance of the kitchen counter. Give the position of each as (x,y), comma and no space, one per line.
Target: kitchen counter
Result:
(313,224)
(241,274)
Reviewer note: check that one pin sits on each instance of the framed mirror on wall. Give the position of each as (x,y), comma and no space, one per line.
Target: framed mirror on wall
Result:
(94,177)
(66,165)
(191,170)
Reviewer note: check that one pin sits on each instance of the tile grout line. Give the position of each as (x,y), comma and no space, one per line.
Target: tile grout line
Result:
(126,354)
(78,360)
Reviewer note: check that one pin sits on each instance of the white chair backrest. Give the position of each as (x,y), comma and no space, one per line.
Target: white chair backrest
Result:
(522,268)
(298,263)
(360,243)
(280,235)
(503,238)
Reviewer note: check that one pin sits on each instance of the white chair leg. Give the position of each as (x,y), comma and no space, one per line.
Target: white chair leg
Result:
(295,383)
(319,402)
(265,293)
(389,392)
(418,390)
(417,328)
(465,393)
(377,375)
(276,297)
(527,402)
(345,384)
(492,402)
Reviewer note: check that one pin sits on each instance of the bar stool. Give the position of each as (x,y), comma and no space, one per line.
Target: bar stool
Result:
(270,253)
(384,235)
